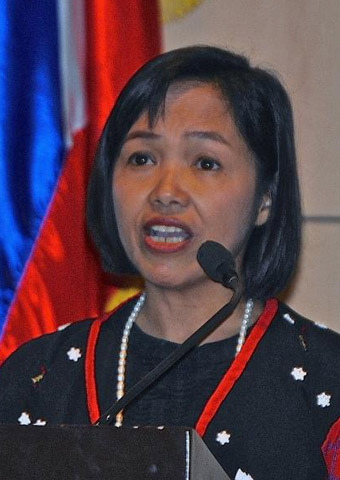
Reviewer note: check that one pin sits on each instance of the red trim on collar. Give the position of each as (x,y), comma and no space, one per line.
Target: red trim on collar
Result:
(90,363)
(90,374)
(237,367)
(226,384)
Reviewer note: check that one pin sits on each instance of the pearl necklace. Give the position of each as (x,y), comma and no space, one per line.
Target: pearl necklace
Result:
(125,341)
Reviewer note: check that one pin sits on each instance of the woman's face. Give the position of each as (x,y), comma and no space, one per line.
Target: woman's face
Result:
(188,179)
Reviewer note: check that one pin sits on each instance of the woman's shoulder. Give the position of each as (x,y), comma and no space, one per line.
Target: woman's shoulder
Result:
(314,336)
(51,356)
(317,348)
(68,340)
(311,352)
(45,347)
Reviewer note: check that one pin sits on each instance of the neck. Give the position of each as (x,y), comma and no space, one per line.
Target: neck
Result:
(175,314)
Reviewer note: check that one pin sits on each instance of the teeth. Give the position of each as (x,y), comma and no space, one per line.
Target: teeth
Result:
(167,239)
(166,229)
(168,234)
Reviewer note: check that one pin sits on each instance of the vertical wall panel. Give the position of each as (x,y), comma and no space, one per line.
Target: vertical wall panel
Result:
(300,40)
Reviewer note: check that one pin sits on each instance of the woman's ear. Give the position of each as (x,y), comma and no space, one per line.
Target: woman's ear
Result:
(264,210)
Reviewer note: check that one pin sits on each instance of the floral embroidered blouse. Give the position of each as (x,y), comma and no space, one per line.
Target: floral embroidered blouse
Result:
(271,413)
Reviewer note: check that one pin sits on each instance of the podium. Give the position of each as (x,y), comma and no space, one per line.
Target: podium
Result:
(85,452)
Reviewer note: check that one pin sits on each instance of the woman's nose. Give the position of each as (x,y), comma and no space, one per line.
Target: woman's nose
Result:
(170,192)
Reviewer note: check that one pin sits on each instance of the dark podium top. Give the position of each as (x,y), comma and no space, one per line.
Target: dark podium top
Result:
(86,452)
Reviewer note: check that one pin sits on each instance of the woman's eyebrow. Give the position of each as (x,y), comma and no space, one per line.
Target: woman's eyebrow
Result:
(207,135)
(200,134)
(142,134)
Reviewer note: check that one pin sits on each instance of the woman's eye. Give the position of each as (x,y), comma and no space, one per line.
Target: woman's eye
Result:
(208,164)
(140,159)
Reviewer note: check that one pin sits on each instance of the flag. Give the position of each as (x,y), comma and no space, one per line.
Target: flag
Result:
(62,65)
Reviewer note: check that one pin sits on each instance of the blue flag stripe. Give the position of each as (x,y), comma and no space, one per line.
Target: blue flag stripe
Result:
(31,143)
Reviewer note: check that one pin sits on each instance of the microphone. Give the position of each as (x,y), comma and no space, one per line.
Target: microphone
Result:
(218,263)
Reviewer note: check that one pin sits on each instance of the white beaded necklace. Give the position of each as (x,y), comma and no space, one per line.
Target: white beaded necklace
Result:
(125,341)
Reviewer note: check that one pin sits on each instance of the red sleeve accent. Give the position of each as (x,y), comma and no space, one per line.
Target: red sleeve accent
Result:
(90,363)
(331,451)
(237,367)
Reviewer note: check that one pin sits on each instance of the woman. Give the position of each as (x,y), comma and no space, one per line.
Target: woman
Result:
(198,147)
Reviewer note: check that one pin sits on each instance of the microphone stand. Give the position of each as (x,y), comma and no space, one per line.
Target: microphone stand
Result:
(195,339)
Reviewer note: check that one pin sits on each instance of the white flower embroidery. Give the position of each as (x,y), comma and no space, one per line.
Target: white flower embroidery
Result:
(298,373)
(40,422)
(74,354)
(24,419)
(323,399)
(223,437)
(240,475)
(62,327)
(289,319)
(321,325)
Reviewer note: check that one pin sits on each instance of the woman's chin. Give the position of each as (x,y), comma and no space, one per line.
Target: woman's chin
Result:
(168,269)
(174,279)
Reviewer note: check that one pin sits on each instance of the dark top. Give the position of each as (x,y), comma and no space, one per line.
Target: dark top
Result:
(271,425)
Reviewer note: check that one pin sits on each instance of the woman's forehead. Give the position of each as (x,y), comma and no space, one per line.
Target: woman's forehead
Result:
(196,103)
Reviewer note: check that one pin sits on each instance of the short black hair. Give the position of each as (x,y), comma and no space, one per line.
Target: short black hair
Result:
(262,113)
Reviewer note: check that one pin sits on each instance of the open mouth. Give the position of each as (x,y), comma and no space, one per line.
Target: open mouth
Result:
(166,238)
(162,233)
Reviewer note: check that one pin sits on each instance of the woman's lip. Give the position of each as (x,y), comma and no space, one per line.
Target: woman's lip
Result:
(165,247)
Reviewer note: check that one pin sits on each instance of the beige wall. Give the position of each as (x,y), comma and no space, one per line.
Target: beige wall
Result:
(300,39)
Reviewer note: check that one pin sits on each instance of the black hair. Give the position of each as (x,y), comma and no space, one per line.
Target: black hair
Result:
(262,113)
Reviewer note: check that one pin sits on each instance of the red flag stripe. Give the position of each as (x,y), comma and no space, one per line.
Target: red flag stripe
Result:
(63,280)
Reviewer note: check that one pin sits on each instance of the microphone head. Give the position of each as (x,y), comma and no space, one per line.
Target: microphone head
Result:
(218,263)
